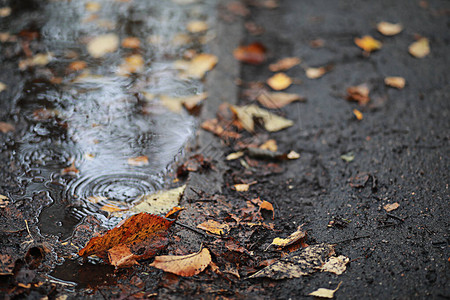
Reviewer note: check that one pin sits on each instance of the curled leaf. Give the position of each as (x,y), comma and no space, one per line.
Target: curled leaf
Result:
(359,93)
(272,122)
(325,293)
(293,238)
(183,265)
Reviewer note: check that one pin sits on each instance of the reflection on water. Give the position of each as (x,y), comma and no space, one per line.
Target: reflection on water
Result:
(85,123)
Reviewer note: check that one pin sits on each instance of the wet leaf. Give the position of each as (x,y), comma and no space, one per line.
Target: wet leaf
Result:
(176,104)
(420,48)
(174,212)
(270,145)
(336,265)
(396,82)
(92,6)
(272,122)
(77,66)
(131,43)
(197,26)
(214,227)
(266,205)
(368,43)
(40,59)
(325,293)
(254,53)
(359,180)
(140,237)
(284,64)
(279,81)
(103,44)
(242,187)
(198,66)
(389,29)
(238,8)
(131,64)
(391,206)
(293,155)
(6,264)
(292,239)
(5,11)
(112,207)
(358,114)
(3,201)
(299,263)
(348,157)
(278,99)
(138,161)
(359,93)
(183,265)
(234,155)
(71,170)
(3,87)
(6,127)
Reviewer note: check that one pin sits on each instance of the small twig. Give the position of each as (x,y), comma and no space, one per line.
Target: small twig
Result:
(198,193)
(353,239)
(28,229)
(395,217)
(191,228)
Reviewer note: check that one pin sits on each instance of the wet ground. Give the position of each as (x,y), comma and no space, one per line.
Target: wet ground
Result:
(99,120)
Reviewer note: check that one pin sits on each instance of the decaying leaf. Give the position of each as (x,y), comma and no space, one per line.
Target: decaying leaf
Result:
(420,48)
(6,127)
(279,81)
(359,93)
(391,206)
(284,64)
(336,265)
(197,26)
(396,82)
(389,29)
(265,154)
(214,227)
(3,87)
(138,161)
(359,116)
(241,187)
(197,66)
(183,265)
(234,155)
(140,237)
(299,263)
(292,239)
(272,122)
(176,104)
(254,53)
(278,99)
(368,43)
(103,44)
(325,293)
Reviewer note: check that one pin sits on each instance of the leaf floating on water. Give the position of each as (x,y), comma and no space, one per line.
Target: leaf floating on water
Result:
(198,66)
(368,43)
(299,263)
(325,293)
(284,64)
(420,48)
(138,161)
(183,265)
(197,26)
(336,265)
(143,233)
(396,82)
(278,99)
(389,29)
(6,127)
(103,44)
(272,122)
(254,53)
(214,227)
(279,81)
(391,206)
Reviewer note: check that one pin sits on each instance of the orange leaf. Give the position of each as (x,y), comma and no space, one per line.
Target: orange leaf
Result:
(143,233)
(174,212)
(254,53)
(77,66)
(6,127)
(131,42)
(266,205)
(368,43)
(358,114)
(183,265)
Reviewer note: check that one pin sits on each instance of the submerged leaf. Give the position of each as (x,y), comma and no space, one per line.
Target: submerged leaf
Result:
(183,265)
(103,44)
(138,161)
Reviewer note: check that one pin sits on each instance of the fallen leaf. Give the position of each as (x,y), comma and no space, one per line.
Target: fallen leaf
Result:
(396,82)
(174,212)
(336,265)
(368,43)
(420,48)
(197,26)
(143,233)
(270,145)
(214,127)
(131,42)
(183,265)
(214,227)
(325,293)
(92,6)
(176,104)
(241,187)
(284,64)
(266,205)
(234,155)
(40,59)
(293,155)
(103,44)
(292,239)
(77,66)
(272,122)
(359,93)
(3,201)
(254,53)
(348,157)
(96,199)
(389,29)
(3,87)
(6,127)
(278,99)
(138,161)
(391,206)
(299,263)
(358,114)
(131,64)
(279,81)
(238,8)
(5,11)
(359,180)
(198,66)
(314,73)
(71,170)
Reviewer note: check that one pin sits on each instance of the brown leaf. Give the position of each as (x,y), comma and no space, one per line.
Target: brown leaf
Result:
(279,81)
(359,93)
(77,66)
(272,123)
(368,43)
(254,53)
(391,206)
(396,82)
(6,127)
(284,64)
(214,227)
(278,99)
(183,265)
(131,42)
(214,127)
(143,233)
(420,48)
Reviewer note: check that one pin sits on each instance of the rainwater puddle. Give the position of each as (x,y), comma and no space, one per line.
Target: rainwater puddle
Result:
(97,137)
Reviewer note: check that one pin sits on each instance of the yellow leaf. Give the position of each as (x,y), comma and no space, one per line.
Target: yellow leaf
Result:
(336,265)
(391,206)
(198,66)
(131,43)
(132,64)
(358,114)
(103,44)
(368,43)
(3,197)
(277,99)
(270,145)
(420,48)
(314,73)
(293,155)
(293,238)
(241,187)
(397,82)
(235,155)
(197,26)
(389,29)
(272,122)
(214,227)
(279,81)
(176,104)
(183,265)
(325,293)
(110,207)
(284,64)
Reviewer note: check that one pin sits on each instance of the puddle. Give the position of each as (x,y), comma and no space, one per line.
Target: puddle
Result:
(84,124)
